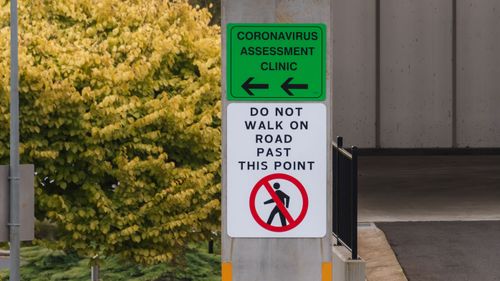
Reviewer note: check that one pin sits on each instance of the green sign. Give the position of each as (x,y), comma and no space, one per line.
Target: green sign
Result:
(276,61)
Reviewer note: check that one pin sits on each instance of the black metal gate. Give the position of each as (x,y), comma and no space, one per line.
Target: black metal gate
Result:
(345,196)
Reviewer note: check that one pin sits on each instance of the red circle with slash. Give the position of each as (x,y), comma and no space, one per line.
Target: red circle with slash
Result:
(265,183)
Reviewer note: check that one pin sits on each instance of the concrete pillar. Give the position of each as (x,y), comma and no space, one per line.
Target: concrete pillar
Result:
(291,259)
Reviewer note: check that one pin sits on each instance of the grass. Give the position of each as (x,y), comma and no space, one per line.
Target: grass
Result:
(42,264)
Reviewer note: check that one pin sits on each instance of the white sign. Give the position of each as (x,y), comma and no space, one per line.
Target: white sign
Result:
(276,169)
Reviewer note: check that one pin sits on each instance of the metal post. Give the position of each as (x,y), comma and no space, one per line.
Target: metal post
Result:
(354,213)
(95,268)
(211,246)
(14,223)
(334,190)
(340,142)
(94,272)
(336,207)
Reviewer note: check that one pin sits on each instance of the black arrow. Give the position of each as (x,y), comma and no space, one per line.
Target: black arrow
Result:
(286,86)
(247,86)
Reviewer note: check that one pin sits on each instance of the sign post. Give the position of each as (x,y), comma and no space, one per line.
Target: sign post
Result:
(276,196)
(14,175)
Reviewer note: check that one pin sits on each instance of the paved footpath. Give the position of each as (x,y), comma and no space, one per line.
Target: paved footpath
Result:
(441,251)
(381,263)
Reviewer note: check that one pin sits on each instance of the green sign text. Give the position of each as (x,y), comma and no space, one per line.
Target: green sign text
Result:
(276,62)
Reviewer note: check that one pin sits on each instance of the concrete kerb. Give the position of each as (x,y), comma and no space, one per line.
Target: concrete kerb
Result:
(4,253)
(381,262)
(378,262)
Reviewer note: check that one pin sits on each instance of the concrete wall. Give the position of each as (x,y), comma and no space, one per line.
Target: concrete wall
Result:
(415,73)
(478,76)
(395,83)
(353,70)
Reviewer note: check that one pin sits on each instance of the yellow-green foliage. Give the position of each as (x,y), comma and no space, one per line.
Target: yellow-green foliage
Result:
(120,113)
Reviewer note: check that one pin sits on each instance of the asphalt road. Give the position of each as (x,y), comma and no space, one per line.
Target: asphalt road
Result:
(429,188)
(442,251)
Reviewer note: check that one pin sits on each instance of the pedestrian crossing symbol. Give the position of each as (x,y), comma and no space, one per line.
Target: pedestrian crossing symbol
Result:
(276,170)
(288,201)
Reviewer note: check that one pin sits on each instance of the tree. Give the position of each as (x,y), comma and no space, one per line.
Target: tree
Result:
(214,6)
(120,113)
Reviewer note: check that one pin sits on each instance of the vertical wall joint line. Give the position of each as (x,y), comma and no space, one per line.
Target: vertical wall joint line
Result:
(454,141)
(377,74)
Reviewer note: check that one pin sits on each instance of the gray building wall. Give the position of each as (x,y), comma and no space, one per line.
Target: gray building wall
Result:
(354,83)
(478,76)
(417,73)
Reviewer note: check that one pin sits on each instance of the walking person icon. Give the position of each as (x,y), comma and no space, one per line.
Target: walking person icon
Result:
(285,199)
(291,212)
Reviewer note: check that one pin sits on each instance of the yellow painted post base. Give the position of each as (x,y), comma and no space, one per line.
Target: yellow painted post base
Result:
(326,271)
(227,271)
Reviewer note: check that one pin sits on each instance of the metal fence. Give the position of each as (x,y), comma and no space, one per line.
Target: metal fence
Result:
(345,196)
